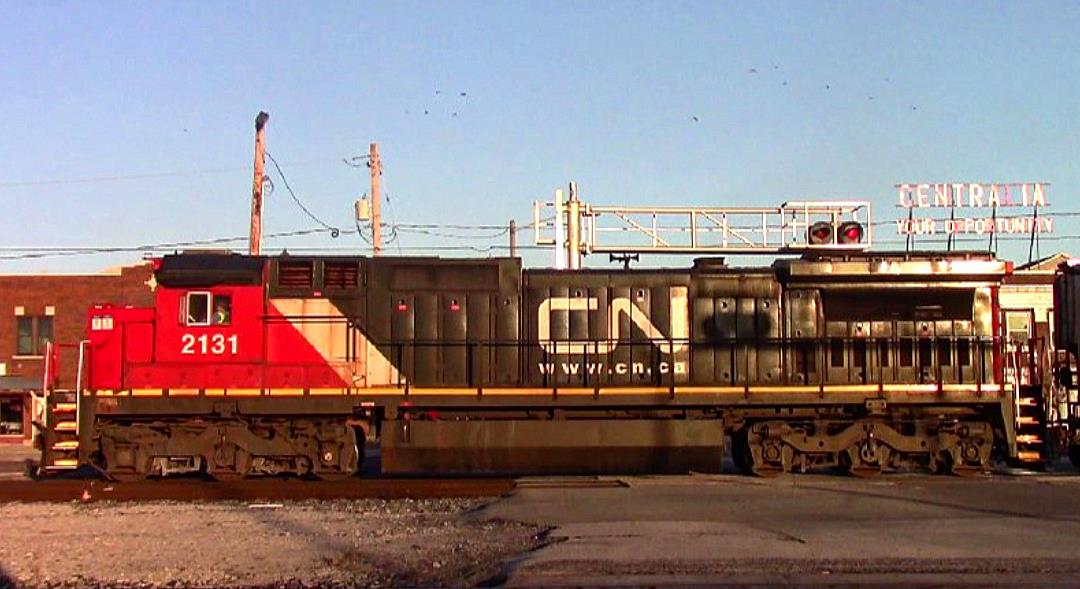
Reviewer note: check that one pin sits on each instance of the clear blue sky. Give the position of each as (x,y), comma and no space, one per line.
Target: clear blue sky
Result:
(598,92)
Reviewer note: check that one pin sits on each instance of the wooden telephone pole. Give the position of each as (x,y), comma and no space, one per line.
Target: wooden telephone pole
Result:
(255,239)
(376,199)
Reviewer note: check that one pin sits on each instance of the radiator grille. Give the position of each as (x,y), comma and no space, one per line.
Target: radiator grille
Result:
(296,274)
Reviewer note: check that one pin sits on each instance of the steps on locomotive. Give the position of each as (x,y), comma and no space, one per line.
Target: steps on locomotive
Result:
(1031,434)
(59,433)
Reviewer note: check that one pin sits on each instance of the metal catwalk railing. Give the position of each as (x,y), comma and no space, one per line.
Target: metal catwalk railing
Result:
(638,362)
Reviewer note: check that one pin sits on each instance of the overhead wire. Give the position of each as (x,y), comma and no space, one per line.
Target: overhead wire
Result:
(36,252)
(500,233)
(149,175)
(393,224)
(334,231)
(439,230)
(32,252)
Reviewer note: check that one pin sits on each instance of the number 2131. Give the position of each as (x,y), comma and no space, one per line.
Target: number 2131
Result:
(207,344)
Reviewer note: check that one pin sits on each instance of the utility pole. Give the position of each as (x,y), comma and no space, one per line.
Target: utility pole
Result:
(255,239)
(513,238)
(376,199)
(573,229)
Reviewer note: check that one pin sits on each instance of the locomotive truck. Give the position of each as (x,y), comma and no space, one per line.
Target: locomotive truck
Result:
(250,365)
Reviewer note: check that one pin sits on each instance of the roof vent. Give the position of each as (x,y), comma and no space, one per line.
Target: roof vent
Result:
(298,275)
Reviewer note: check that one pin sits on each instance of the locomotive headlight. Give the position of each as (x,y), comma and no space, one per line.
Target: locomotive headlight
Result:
(850,232)
(820,233)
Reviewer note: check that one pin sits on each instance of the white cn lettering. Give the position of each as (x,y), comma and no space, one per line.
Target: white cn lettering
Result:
(680,325)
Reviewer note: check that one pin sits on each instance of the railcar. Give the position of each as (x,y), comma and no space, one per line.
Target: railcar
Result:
(288,364)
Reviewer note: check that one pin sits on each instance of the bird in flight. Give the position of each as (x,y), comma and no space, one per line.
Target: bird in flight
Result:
(752,70)
(695,119)
(462,94)
(438,92)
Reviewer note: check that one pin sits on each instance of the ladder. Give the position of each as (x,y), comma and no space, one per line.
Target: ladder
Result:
(1030,405)
(1031,447)
(59,432)
(59,426)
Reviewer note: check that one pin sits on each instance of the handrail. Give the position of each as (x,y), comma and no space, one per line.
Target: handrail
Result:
(792,361)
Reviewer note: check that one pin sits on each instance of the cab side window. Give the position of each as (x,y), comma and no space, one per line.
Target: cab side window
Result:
(197,309)
(203,308)
(222,314)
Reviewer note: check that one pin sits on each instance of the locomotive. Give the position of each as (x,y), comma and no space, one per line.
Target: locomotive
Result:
(251,365)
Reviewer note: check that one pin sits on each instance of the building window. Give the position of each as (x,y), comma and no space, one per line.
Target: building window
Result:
(11,416)
(1018,324)
(33,334)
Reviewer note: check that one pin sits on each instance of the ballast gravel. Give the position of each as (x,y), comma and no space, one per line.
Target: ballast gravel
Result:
(369,543)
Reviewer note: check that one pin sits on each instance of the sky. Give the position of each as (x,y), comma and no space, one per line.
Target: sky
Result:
(129,124)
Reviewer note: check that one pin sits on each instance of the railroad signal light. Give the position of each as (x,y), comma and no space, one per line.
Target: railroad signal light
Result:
(820,233)
(851,232)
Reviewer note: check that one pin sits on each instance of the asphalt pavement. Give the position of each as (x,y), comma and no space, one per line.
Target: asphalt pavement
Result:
(1010,529)
(799,531)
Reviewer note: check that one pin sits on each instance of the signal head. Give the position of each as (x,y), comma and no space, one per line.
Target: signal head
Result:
(851,232)
(820,233)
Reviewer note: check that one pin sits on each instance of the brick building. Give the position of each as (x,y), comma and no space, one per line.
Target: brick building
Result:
(36,308)
(1027,298)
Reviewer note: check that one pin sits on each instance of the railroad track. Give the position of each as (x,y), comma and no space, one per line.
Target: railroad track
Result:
(264,490)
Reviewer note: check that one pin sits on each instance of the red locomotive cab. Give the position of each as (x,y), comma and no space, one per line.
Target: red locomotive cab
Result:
(204,333)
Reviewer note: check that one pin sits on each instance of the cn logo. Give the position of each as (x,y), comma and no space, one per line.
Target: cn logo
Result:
(677,342)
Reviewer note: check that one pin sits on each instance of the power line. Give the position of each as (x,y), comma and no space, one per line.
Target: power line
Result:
(32,252)
(500,233)
(449,226)
(334,231)
(393,224)
(147,176)
(423,248)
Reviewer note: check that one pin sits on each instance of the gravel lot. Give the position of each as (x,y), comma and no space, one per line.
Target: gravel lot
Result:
(303,544)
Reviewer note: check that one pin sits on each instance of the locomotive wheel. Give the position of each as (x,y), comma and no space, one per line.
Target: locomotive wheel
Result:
(968,456)
(767,458)
(228,463)
(336,458)
(766,454)
(950,463)
(865,458)
(124,462)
